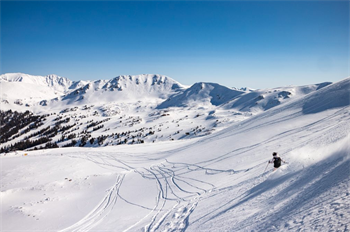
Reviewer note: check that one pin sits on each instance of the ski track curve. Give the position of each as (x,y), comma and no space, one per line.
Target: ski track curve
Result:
(100,212)
(185,192)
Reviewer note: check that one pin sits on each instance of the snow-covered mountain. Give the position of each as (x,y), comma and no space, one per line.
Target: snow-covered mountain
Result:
(18,89)
(156,91)
(180,174)
(125,89)
(100,109)
(54,82)
(201,95)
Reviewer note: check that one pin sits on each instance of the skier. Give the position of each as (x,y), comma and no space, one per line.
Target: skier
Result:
(276,160)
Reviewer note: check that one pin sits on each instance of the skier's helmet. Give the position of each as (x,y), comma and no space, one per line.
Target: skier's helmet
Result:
(274,154)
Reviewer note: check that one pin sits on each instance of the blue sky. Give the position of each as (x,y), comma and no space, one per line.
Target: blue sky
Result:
(256,43)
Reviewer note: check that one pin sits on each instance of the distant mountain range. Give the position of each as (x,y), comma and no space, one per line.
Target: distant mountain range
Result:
(58,112)
(162,91)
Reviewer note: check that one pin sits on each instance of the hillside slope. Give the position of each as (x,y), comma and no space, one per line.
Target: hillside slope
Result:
(213,183)
(265,99)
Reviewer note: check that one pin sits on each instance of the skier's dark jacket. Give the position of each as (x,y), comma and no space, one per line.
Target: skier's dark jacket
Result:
(276,160)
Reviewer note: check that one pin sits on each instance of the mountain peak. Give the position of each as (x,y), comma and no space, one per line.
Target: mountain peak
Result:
(202,93)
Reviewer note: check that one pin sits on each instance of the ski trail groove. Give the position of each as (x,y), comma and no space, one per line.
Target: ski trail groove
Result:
(162,194)
(100,212)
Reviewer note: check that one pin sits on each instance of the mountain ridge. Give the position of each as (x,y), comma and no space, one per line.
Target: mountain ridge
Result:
(162,90)
(57,83)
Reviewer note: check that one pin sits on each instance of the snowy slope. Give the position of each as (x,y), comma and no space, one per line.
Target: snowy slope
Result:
(211,183)
(22,91)
(26,92)
(262,100)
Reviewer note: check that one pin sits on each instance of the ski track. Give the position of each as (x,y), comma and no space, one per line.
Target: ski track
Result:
(174,188)
(168,177)
(183,194)
(296,210)
(97,215)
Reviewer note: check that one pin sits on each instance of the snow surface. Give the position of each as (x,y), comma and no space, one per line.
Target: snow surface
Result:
(215,182)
